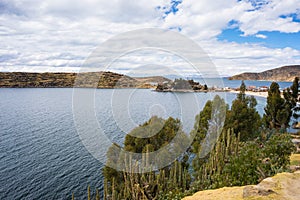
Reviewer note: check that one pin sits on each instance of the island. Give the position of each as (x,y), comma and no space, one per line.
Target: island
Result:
(181,85)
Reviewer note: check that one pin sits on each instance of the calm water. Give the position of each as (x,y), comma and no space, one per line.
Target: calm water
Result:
(41,155)
(236,83)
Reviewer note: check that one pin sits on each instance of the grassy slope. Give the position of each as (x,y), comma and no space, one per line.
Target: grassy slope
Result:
(279,187)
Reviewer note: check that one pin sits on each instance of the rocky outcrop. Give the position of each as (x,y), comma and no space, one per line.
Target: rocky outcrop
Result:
(286,73)
(68,80)
(181,85)
(283,186)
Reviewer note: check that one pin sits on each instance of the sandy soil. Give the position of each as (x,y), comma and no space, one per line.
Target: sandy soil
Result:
(283,186)
(258,94)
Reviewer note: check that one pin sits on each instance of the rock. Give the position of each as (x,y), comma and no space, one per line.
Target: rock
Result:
(296,125)
(260,189)
(283,186)
(296,142)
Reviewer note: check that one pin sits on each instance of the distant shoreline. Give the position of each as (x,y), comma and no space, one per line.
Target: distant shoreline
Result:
(250,93)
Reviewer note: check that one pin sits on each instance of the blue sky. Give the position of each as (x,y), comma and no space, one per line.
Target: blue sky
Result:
(273,39)
(238,35)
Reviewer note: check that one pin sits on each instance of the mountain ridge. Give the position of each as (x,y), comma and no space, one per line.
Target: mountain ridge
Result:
(69,80)
(284,73)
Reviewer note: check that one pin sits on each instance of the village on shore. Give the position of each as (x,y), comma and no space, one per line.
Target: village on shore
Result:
(182,85)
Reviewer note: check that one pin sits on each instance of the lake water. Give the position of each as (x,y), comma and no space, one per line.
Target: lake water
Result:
(41,154)
(236,83)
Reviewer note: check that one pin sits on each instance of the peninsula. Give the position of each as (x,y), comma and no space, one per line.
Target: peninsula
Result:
(69,80)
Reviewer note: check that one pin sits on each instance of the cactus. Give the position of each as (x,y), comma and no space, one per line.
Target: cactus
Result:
(97,195)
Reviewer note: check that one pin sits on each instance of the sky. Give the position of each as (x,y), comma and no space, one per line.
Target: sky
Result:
(237,35)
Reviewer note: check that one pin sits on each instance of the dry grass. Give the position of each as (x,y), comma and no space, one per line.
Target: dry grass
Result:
(295,159)
(281,186)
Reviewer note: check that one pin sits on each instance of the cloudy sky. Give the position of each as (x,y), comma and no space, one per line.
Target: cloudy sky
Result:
(238,35)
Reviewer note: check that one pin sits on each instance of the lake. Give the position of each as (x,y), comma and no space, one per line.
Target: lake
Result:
(41,154)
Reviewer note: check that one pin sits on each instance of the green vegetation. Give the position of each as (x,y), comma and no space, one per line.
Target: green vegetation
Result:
(277,111)
(291,95)
(200,132)
(248,149)
(181,84)
(281,110)
(172,179)
(243,118)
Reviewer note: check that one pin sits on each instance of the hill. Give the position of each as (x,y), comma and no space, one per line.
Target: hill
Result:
(152,79)
(281,186)
(68,80)
(285,73)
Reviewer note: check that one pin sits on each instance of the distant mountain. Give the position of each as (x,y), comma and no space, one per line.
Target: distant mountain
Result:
(68,80)
(152,79)
(285,73)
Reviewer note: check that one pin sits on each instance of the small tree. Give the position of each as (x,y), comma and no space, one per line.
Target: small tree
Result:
(277,151)
(243,117)
(291,96)
(199,133)
(295,89)
(206,131)
(156,133)
(278,110)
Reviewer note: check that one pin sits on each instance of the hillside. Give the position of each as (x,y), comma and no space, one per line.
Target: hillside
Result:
(285,73)
(153,79)
(281,186)
(68,80)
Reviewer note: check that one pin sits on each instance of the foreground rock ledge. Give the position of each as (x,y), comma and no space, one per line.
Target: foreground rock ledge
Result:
(283,186)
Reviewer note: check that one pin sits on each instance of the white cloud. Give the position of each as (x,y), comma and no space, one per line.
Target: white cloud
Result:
(205,19)
(233,58)
(58,35)
(262,36)
(268,18)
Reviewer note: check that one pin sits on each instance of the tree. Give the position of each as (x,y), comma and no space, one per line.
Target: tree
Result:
(201,126)
(199,133)
(278,110)
(277,151)
(295,89)
(207,128)
(180,84)
(151,136)
(243,117)
(242,95)
(291,96)
(266,160)
(242,168)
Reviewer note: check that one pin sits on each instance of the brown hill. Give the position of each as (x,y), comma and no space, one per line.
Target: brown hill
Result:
(152,79)
(68,80)
(285,73)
